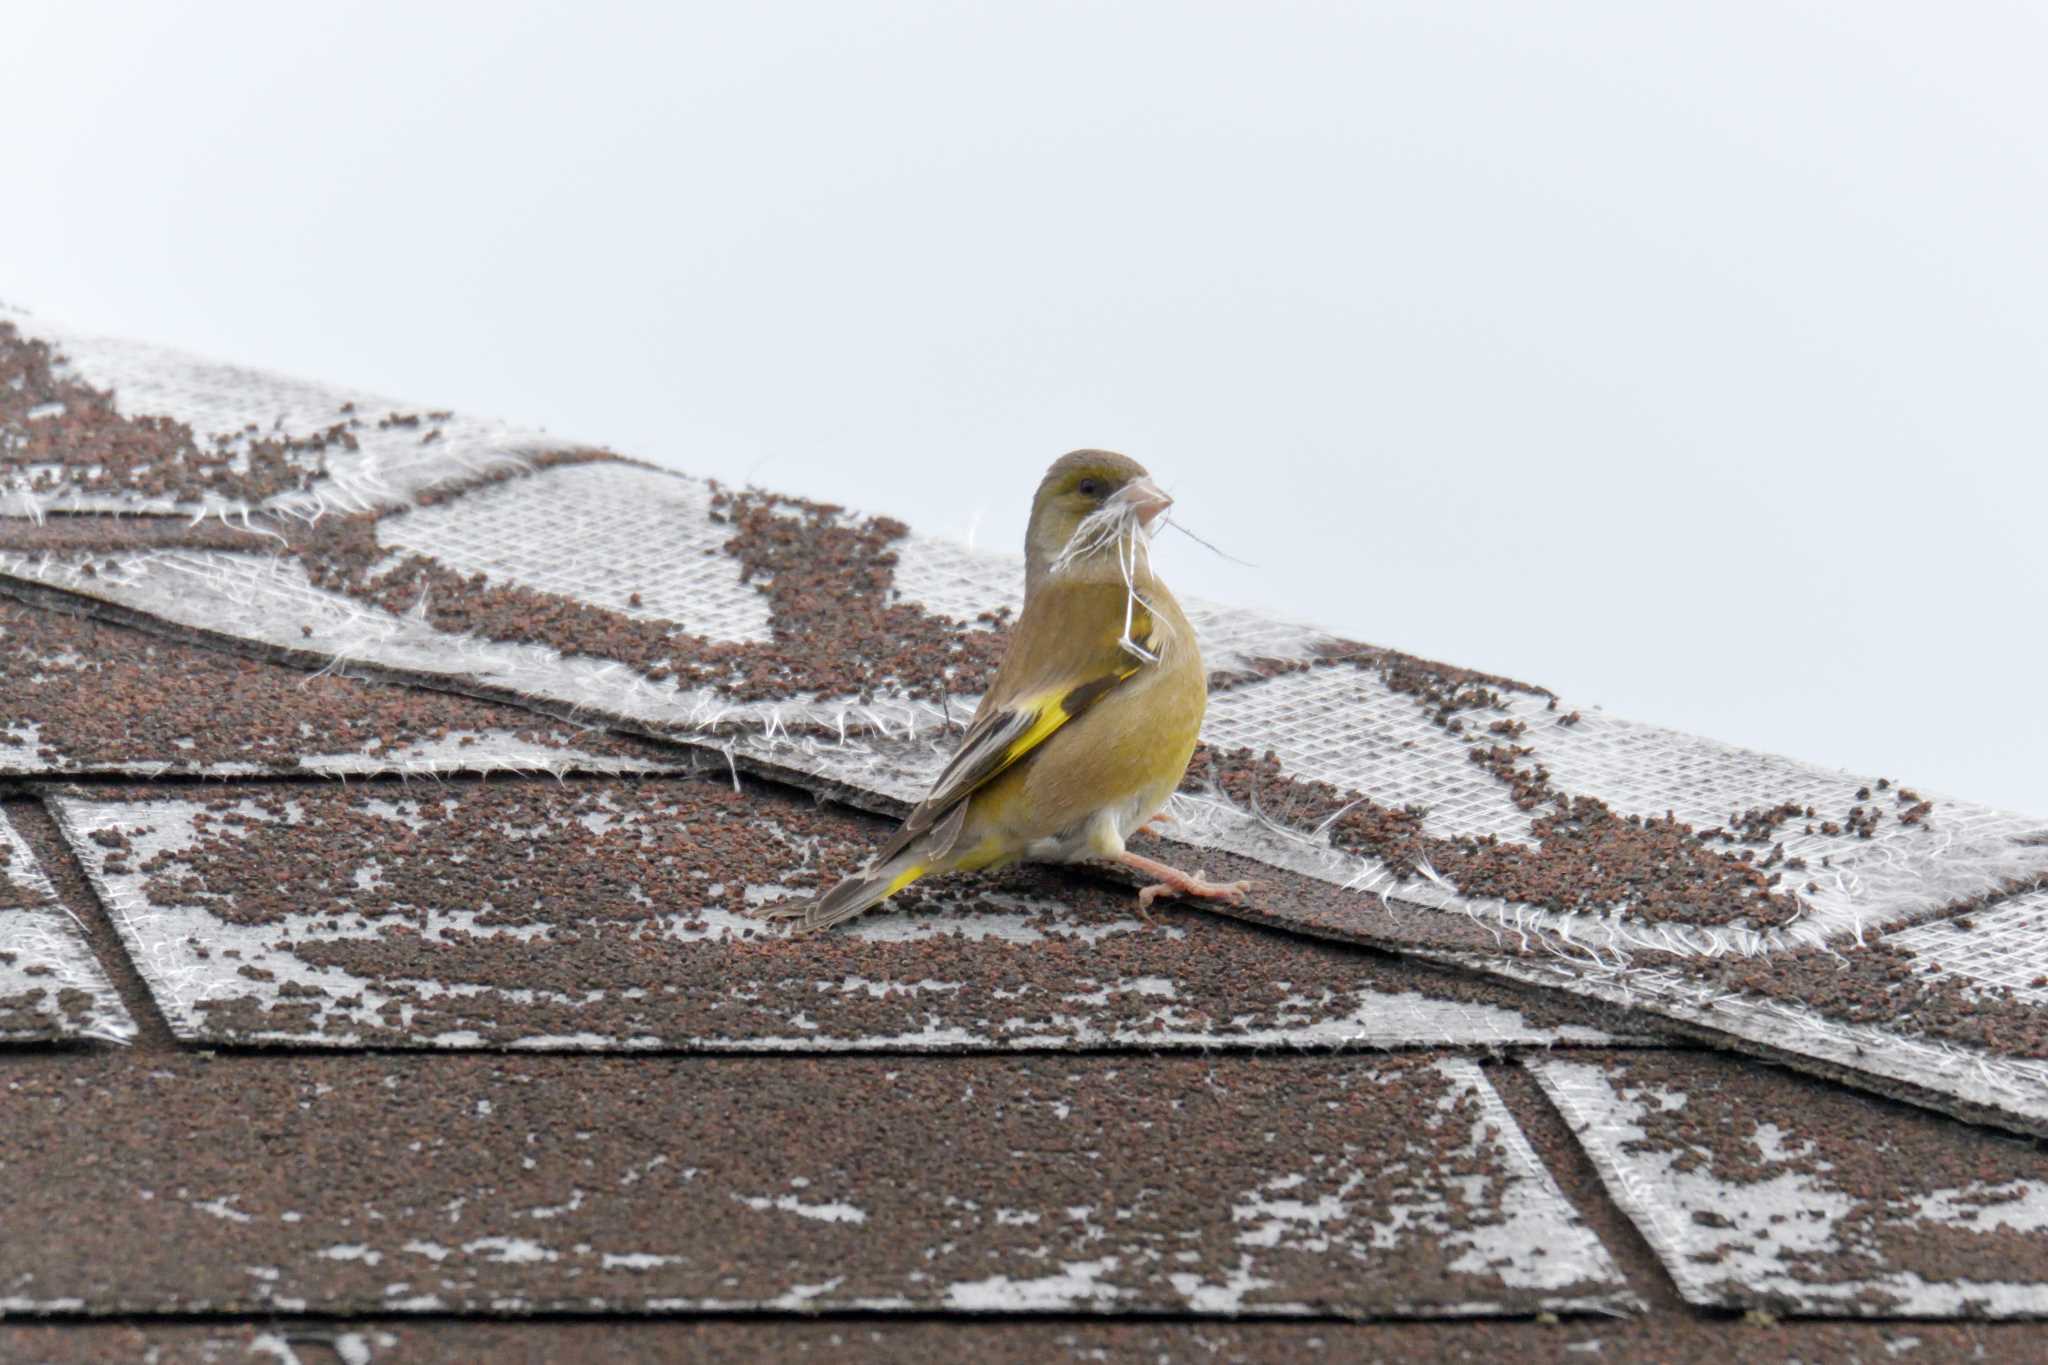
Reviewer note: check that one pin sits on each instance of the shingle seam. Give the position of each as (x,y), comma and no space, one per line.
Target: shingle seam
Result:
(1075,886)
(1666,1011)
(313,1319)
(1579,1181)
(33,821)
(712,755)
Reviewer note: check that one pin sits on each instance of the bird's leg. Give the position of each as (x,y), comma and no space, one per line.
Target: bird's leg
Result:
(1153,825)
(1172,879)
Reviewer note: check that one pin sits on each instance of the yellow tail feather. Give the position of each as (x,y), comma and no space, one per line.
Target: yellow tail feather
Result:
(905,878)
(862,891)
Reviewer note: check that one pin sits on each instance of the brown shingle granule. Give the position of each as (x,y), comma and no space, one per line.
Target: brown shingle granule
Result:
(13,895)
(1883,984)
(100,695)
(1749,1125)
(1588,858)
(58,434)
(828,577)
(99,533)
(594,874)
(1133,1163)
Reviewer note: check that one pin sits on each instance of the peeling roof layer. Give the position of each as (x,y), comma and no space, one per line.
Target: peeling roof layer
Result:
(81,697)
(1033,1166)
(1790,1010)
(1041,1185)
(620,914)
(701,590)
(1805,856)
(1549,843)
(1759,1189)
(1624,837)
(51,986)
(102,424)
(1990,954)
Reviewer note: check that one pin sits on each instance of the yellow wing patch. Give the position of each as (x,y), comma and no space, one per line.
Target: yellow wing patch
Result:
(999,740)
(1053,712)
(905,878)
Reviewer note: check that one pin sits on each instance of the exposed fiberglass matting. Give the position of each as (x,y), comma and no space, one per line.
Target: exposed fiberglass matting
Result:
(1761,902)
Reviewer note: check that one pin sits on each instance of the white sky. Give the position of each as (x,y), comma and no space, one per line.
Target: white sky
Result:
(1688,359)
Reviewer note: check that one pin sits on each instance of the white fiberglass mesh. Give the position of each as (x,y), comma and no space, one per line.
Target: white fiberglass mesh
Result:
(1346,727)
(268,600)
(1873,883)
(1850,883)
(956,582)
(2003,947)
(390,464)
(1233,637)
(1635,767)
(636,541)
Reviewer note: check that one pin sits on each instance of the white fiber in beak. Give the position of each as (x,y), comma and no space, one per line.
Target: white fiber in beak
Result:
(1121,526)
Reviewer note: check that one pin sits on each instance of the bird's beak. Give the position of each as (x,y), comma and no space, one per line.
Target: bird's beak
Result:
(1143,497)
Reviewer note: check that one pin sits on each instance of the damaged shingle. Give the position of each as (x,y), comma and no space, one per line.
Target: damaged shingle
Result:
(1155,1162)
(818,582)
(83,696)
(51,986)
(59,434)
(1764,1190)
(620,914)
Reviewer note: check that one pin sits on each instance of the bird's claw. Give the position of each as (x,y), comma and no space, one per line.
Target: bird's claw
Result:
(1198,886)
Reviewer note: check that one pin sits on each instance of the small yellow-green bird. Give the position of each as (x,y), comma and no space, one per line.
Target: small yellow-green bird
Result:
(1092,717)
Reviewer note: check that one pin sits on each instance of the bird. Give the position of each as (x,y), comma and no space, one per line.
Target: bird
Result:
(1090,722)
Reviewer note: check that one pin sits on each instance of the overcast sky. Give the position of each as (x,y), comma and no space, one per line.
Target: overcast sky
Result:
(1687,359)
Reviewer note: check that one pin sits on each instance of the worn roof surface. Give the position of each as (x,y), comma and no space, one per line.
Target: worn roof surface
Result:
(386,802)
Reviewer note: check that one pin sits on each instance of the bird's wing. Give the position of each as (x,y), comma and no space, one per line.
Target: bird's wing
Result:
(1022,713)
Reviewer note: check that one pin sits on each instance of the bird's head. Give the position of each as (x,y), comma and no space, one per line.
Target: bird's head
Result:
(1092,506)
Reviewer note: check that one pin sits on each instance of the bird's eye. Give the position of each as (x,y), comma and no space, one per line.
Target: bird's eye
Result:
(1089,488)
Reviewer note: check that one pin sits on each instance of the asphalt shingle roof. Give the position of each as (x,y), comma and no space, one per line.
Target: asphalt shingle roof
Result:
(386,797)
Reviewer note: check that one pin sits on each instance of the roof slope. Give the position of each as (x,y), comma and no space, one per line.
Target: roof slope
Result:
(307,802)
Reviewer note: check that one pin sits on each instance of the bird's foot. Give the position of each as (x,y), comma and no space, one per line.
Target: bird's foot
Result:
(1196,885)
(780,912)
(1173,881)
(1158,823)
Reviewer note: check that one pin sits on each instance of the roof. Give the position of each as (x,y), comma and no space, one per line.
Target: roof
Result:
(387,797)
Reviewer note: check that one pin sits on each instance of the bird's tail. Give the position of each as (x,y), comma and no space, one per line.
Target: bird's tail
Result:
(865,890)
